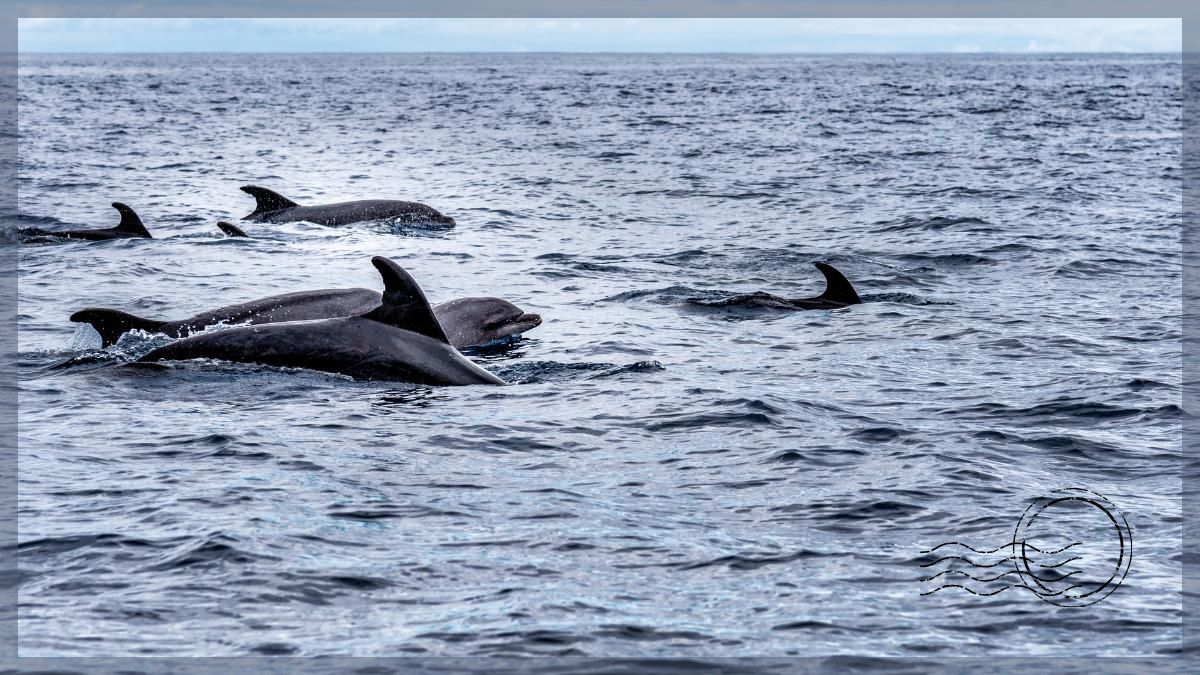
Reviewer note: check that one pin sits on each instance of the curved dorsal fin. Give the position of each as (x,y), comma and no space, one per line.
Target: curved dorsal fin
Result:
(404,303)
(231,229)
(837,286)
(268,200)
(129,221)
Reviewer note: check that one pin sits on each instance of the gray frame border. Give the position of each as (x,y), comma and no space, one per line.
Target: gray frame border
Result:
(1183,661)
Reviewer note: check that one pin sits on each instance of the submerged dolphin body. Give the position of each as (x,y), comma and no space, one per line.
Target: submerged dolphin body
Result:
(400,340)
(468,322)
(130,227)
(273,207)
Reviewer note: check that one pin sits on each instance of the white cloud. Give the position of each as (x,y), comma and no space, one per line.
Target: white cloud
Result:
(393,34)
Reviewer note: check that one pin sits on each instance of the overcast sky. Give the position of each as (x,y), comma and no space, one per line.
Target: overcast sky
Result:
(600,35)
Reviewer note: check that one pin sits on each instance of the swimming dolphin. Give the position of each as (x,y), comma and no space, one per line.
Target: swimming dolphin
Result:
(130,227)
(273,207)
(300,306)
(399,340)
(839,292)
(468,322)
(231,230)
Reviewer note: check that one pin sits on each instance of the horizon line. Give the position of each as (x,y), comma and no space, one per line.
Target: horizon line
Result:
(634,53)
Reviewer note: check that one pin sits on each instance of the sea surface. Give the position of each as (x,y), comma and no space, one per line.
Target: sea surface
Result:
(674,470)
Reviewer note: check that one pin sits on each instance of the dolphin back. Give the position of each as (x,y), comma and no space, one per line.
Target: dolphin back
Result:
(360,348)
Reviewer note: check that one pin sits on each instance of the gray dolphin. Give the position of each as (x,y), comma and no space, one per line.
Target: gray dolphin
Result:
(130,227)
(399,340)
(273,207)
(469,322)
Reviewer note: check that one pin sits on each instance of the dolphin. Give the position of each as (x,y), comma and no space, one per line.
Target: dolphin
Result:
(231,230)
(468,322)
(273,207)
(399,340)
(839,292)
(130,227)
(300,306)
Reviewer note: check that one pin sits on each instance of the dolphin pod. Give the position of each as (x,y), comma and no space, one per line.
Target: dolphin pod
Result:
(394,335)
(272,207)
(468,322)
(399,340)
(130,227)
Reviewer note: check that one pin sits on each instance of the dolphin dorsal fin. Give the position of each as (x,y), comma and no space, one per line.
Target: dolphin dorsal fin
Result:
(837,287)
(231,229)
(129,221)
(404,303)
(268,200)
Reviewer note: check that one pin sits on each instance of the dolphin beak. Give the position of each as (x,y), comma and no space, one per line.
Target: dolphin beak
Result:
(519,324)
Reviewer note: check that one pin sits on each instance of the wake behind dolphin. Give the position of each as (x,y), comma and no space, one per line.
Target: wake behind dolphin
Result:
(130,227)
(272,207)
(399,340)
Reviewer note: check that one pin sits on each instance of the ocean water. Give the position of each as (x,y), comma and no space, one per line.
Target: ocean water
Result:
(670,474)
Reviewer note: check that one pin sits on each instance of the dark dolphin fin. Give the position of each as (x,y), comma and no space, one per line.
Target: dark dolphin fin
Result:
(231,229)
(268,200)
(112,324)
(130,222)
(837,287)
(404,303)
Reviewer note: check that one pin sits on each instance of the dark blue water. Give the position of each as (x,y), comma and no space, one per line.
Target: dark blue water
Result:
(670,474)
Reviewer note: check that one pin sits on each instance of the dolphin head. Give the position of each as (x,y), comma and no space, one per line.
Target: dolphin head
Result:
(473,322)
(434,216)
(506,319)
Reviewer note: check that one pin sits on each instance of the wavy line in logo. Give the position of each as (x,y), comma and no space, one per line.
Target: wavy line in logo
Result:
(1099,555)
